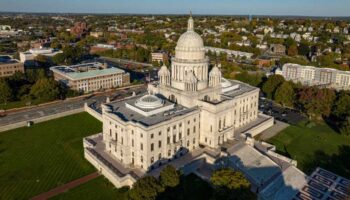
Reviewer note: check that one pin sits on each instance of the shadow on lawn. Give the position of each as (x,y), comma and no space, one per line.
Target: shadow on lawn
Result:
(338,163)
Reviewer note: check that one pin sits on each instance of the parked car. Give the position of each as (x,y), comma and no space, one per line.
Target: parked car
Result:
(2,113)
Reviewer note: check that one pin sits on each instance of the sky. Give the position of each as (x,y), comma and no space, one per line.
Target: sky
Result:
(223,7)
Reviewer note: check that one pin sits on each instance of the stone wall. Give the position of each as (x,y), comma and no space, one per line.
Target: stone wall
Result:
(93,112)
(40,119)
(269,122)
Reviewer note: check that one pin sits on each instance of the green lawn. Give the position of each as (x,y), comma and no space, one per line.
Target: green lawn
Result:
(191,187)
(315,146)
(97,189)
(36,159)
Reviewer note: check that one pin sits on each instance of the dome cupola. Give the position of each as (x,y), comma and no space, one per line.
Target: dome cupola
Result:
(149,102)
(164,75)
(215,76)
(190,44)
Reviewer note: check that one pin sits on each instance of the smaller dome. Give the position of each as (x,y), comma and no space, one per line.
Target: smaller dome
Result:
(149,102)
(163,71)
(215,71)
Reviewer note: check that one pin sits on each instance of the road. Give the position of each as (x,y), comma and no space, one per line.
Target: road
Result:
(123,61)
(66,105)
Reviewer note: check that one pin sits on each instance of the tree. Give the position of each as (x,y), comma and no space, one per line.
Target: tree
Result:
(146,188)
(304,49)
(342,106)
(272,84)
(230,184)
(45,90)
(345,126)
(42,60)
(285,94)
(292,50)
(316,102)
(5,91)
(169,177)
(58,59)
(251,79)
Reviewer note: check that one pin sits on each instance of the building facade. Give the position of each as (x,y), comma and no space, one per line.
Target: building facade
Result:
(309,75)
(29,56)
(159,57)
(90,77)
(9,66)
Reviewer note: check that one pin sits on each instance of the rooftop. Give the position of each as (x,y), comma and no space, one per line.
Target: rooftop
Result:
(7,60)
(86,70)
(236,88)
(258,168)
(120,109)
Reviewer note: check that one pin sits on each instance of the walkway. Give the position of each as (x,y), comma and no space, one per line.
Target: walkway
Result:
(272,131)
(65,187)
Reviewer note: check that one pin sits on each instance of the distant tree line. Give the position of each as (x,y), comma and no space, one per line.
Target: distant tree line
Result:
(33,87)
(138,54)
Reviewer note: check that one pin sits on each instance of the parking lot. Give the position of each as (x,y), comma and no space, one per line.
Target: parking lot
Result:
(286,115)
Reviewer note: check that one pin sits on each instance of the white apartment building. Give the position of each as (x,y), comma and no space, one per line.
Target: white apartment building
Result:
(309,75)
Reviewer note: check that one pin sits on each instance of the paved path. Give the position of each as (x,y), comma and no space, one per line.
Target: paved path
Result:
(272,131)
(65,187)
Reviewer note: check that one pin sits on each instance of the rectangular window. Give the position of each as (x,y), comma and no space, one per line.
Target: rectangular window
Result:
(141,147)
(168,140)
(152,136)
(159,144)
(152,147)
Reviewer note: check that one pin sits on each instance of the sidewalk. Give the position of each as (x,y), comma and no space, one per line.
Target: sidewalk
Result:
(66,187)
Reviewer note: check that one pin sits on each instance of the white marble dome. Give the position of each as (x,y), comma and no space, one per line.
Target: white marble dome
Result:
(190,40)
(149,102)
(190,45)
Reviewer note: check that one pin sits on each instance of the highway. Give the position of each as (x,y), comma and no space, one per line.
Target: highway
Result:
(66,105)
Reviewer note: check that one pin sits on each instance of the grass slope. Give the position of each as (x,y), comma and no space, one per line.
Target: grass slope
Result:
(315,146)
(36,159)
(97,189)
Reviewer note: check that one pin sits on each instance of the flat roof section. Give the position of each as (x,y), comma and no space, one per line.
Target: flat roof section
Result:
(72,73)
(119,109)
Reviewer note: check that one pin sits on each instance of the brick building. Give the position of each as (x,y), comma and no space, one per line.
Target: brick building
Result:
(9,66)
